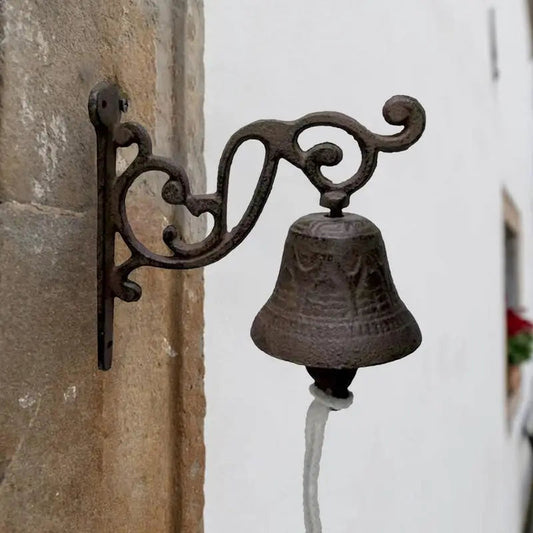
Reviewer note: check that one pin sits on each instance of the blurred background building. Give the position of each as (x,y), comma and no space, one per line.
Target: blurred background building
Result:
(434,442)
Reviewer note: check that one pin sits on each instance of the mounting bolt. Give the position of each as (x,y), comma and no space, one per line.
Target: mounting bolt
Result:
(123,105)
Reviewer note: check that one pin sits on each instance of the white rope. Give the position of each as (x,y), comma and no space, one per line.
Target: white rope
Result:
(315,425)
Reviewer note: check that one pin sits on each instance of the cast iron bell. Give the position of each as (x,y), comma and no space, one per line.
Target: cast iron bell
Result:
(334,308)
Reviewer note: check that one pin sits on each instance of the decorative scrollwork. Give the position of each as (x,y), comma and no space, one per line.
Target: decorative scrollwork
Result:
(280,140)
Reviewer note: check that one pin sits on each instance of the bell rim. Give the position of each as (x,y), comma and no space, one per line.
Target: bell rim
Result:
(356,351)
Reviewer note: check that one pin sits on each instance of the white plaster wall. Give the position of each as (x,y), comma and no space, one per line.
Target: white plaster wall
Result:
(426,447)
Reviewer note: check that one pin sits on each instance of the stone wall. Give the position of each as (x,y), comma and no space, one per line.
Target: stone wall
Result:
(83,450)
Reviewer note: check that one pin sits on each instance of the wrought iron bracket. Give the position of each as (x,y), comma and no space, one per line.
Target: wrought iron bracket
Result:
(280,140)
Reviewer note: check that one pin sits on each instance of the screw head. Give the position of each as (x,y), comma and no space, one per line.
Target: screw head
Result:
(123,105)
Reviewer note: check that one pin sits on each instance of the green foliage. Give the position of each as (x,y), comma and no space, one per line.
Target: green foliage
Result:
(519,348)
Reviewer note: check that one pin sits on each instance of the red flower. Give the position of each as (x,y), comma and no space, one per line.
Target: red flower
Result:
(516,324)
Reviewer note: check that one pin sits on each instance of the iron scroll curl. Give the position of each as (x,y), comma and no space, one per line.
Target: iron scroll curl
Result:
(280,141)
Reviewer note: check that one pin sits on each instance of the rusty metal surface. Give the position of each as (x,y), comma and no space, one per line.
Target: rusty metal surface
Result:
(334,304)
(280,140)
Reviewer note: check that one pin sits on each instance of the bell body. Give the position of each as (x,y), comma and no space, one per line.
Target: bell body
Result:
(334,304)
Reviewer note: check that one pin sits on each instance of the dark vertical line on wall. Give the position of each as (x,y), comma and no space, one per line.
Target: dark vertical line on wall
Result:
(2,76)
(179,14)
(493,45)
(175,326)
(530,12)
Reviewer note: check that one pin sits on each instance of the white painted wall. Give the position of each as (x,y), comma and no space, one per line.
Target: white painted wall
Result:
(426,447)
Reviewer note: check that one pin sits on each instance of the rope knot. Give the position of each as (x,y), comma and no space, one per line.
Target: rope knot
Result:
(331,402)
